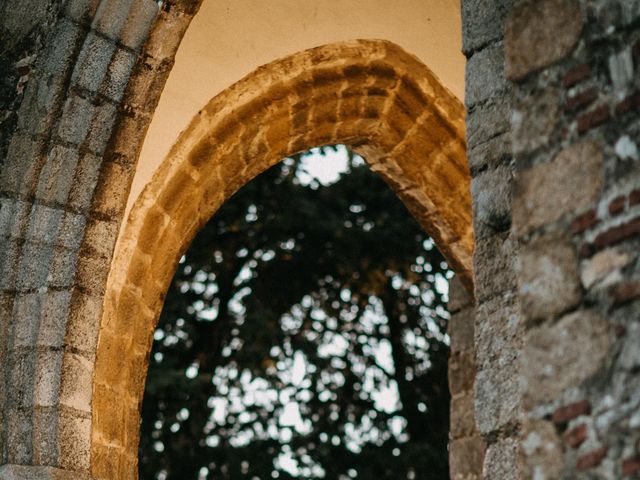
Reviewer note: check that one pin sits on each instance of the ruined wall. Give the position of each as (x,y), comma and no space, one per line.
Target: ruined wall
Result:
(573,66)
(553,129)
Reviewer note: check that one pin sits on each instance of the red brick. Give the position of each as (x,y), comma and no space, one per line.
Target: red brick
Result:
(593,118)
(616,206)
(632,102)
(584,222)
(617,234)
(576,436)
(576,75)
(581,100)
(591,459)
(631,466)
(569,412)
(634,198)
(625,292)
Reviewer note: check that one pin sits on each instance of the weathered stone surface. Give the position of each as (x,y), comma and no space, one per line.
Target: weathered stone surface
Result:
(501,460)
(21,472)
(571,183)
(459,296)
(462,371)
(539,33)
(548,281)
(463,422)
(482,22)
(563,355)
(497,396)
(466,458)
(604,267)
(492,198)
(533,121)
(461,330)
(541,450)
(484,75)
(494,261)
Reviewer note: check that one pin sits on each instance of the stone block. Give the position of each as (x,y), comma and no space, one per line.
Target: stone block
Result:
(100,237)
(19,439)
(58,59)
(82,326)
(74,440)
(111,17)
(501,460)
(57,175)
(542,450)
(563,355)
(23,472)
(82,11)
(548,281)
(112,190)
(33,269)
(482,22)
(120,69)
(85,180)
(570,184)
(603,267)
(44,224)
(42,98)
(466,457)
(21,168)
(92,274)
(492,153)
(533,120)
(498,332)
(461,330)
(14,215)
(63,268)
(487,121)
(463,420)
(27,310)
(497,398)
(76,382)
(139,22)
(494,265)
(22,374)
(92,63)
(538,33)
(484,76)
(491,192)
(71,231)
(9,259)
(102,123)
(630,355)
(459,297)
(55,311)
(47,377)
(45,436)
(76,119)
(462,370)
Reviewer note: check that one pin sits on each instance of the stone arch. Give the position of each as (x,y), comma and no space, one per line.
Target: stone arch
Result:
(369,94)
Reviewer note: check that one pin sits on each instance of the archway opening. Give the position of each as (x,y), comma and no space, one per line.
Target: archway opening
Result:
(303,336)
(368,94)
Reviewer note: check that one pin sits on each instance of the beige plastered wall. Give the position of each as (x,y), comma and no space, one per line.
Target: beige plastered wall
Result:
(228,39)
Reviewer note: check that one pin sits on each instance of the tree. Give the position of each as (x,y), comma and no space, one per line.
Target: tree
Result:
(303,336)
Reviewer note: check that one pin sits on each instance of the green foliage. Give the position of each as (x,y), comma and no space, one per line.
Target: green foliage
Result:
(302,337)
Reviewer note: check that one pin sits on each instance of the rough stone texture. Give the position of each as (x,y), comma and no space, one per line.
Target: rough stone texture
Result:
(548,277)
(540,32)
(79,81)
(542,450)
(564,355)
(569,184)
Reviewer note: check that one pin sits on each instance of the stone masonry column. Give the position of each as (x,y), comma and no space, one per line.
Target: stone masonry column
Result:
(498,325)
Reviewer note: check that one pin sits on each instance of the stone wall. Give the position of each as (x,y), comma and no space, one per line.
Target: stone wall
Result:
(574,70)
(553,129)
(498,323)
